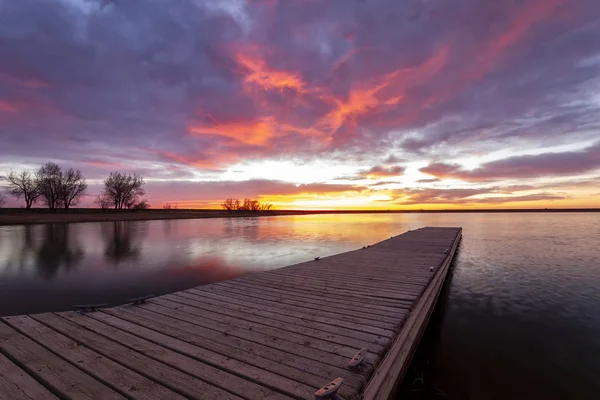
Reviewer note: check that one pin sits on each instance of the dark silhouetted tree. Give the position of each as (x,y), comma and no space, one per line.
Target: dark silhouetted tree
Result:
(103,201)
(49,178)
(60,188)
(247,205)
(169,206)
(2,200)
(23,185)
(124,190)
(266,206)
(142,205)
(72,188)
(231,205)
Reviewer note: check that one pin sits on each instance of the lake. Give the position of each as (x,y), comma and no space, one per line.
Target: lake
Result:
(519,318)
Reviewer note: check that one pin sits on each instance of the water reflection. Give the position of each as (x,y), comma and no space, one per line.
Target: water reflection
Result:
(123,240)
(21,253)
(58,250)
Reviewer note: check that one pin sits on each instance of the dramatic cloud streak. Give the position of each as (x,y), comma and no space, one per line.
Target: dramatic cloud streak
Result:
(528,166)
(394,95)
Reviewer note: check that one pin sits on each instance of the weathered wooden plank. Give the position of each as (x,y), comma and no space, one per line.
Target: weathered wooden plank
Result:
(338,302)
(291,315)
(371,299)
(338,282)
(176,331)
(324,352)
(301,311)
(233,346)
(186,360)
(17,384)
(110,373)
(372,296)
(137,358)
(372,342)
(250,372)
(318,305)
(46,367)
(364,277)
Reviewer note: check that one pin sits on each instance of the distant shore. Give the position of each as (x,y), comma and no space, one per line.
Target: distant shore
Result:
(43,216)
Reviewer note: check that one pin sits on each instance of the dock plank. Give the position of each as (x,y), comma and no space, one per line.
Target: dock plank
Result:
(233,346)
(172,378)
(309,319)
(47,367)
(300,311)
(217,378)
(16,384)
(250,372)
(325,341)
(110,373)
(324,308)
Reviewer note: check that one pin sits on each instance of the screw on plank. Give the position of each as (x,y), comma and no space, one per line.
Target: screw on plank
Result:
(446,251)
(140,300)
(84,308)
(330,390)
(357,359)
(430,269)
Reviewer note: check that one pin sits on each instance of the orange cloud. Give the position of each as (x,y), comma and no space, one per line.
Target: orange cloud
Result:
(388,90)
(249,132)
(259,74)
(493,51)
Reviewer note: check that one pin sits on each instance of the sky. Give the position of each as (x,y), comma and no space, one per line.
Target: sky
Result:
(310,104)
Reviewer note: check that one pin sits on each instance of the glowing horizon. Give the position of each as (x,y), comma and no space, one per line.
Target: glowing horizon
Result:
(310,105)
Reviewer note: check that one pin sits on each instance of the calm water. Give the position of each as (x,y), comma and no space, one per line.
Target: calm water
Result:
(520,317)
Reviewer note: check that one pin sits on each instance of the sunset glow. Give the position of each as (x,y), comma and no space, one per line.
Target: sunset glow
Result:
(319,104)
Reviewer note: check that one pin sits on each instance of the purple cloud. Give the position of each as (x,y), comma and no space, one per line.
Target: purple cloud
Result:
(527,166)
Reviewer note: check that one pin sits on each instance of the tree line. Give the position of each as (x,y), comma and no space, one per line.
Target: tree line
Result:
(246,205)
(57,188)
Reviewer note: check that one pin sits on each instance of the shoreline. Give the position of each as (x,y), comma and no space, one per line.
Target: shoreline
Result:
(43,216)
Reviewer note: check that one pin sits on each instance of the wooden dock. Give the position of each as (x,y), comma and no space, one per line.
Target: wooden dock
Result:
(279,334)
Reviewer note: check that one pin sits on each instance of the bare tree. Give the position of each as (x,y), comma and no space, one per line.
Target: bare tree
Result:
(103,201)
(266,206)
(231,204)
(124,190)
(72,188)
(142,205)
(2,200)
(49,179)
(23,185)
(167,206)
(247,205)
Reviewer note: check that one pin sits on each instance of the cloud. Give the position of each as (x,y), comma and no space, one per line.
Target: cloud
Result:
(383,171)
(470,196)
(527,166)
